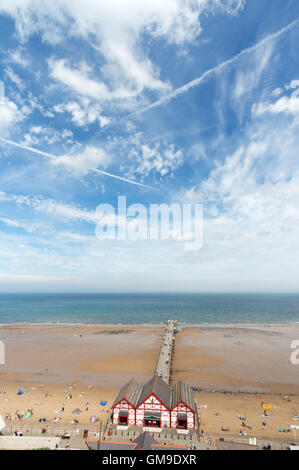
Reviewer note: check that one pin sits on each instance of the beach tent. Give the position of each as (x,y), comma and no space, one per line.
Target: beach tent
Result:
(93,419)
(103,403)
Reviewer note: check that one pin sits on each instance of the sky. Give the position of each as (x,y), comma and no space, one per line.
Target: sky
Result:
(173,102)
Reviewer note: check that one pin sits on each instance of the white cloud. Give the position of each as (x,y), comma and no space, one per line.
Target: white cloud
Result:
(77,80)
(251,214)
(39,135)
(218,68)
(90,158)
(36,129)
(49,206)
(232,7)
(18,224)
(115,28)
(80,165)
(80,82)
(158,161)
(294,84)
(18,57)
(14,78)
(248,78)
(288,104)
(83,113)
(9,112)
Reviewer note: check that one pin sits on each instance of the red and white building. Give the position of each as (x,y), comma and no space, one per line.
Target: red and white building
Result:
(155,405)
(183,407)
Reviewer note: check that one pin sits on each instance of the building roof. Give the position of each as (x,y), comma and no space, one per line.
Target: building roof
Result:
(182,392)
(135,393)
(157,386)
(130,392)
(145,441)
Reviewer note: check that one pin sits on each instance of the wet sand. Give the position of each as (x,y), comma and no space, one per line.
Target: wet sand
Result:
(241,357)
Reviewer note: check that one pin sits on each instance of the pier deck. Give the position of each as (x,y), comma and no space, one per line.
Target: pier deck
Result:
(165,357)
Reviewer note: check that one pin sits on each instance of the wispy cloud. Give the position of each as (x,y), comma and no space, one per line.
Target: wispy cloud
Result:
(78,162)
(215,70)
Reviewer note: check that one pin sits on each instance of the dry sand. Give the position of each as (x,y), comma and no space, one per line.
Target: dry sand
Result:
(91,362)
(230,406)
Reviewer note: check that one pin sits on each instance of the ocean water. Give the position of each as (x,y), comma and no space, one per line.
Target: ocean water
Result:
(149,308)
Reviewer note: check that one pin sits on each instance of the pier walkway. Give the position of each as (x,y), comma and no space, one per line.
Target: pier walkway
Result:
(165,357)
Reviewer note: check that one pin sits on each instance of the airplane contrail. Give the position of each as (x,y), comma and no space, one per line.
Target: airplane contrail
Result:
(30,149)
(216,69)
(96,170)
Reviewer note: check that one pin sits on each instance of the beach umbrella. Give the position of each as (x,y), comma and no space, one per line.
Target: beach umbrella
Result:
(103,403)
(28,415)
(93,419)
(20,392)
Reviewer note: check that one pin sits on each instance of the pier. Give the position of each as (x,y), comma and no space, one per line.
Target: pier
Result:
(165,357)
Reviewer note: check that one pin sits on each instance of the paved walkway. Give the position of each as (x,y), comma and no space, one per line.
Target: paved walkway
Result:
(165,357)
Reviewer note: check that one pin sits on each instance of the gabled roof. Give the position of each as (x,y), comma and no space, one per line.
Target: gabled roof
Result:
(145,441)
(130,392)
(181,392)
(135,393)
(157,386)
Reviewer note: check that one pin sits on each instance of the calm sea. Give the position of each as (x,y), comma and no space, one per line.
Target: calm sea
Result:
(149,308)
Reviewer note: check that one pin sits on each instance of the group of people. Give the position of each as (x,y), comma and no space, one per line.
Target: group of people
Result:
(19,415)
(68,395)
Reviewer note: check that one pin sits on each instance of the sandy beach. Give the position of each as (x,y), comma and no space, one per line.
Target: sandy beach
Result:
(224,409)
(238,367)
(235,367)
(253,358)
(88,362)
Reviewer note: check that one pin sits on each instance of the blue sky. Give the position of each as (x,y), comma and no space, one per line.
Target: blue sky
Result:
(196,99)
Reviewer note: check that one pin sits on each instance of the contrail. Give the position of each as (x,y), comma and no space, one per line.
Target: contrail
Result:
(30,149)
(123,179)
(218,68)
(96,170)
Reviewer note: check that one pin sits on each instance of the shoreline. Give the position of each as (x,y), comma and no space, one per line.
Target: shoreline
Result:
(203,325)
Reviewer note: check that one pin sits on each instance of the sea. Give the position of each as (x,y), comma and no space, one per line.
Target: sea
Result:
(130,309)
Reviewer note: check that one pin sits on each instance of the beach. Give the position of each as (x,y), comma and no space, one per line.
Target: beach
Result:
(237,368)
(88,362)
(253,358)
(76,367)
